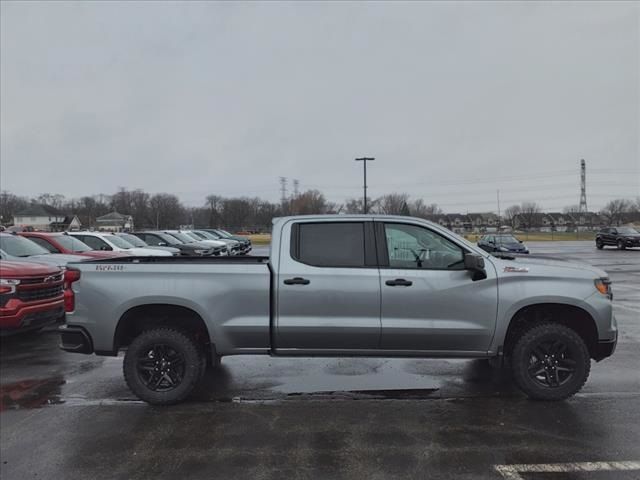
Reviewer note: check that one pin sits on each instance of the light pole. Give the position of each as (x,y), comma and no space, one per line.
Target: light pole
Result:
(365,160)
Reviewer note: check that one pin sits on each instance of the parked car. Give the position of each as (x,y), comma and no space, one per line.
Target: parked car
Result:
(64,243)
(139,243)
(112,242)
(15,247)
(215,243)
(217,248)
(31,296)
(161,239)
(334,285)
(244,241)
(502,242)
(621,237)
(233,246)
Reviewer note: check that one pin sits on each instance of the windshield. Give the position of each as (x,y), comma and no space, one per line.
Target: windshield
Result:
(118,242)
(73,244)
(506,239)
(133,240)
(20,247)
(627,231)
(170,239)
(224,233)
(207,235)
(182,237)
(193,236)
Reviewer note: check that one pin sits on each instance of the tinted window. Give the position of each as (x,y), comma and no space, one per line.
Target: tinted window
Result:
(95,243)
(331,244)
(411,246)
(73,244)
(43,243)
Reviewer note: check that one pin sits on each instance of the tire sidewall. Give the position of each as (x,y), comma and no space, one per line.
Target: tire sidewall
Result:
(178,341)
(521,356)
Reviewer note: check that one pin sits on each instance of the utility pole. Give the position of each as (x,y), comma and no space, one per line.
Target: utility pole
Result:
(296,187)
(499,222)
(283,190)
(365,160)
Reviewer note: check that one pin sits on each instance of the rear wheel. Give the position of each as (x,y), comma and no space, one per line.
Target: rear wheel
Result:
(550,362)
(621,245)
(162,366)
(599,244)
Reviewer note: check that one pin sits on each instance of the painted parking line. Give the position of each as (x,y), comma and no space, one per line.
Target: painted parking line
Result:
(512,472)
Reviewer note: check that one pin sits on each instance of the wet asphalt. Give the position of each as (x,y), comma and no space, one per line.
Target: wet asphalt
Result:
(66,416)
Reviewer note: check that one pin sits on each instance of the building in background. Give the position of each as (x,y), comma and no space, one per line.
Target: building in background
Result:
(114,222)
(46,218)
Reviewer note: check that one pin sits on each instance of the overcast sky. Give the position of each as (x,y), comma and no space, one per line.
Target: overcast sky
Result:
(453,100)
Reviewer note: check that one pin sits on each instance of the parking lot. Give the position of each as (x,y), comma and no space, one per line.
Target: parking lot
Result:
(71,416)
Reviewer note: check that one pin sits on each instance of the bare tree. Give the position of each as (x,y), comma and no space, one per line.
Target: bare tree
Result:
(309,202)
(392,204)
(10,204)
(214,204)
(511,215)
(615,211)
(529,214)
(419,209)
(166,211)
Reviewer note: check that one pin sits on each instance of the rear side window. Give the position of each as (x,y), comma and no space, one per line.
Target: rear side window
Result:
(43,243)
(339,244)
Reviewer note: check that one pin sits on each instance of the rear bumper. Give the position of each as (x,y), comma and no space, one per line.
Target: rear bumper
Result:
(75,339)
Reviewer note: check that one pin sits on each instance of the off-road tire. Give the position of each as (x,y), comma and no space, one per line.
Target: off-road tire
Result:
(522,356)
(178,341)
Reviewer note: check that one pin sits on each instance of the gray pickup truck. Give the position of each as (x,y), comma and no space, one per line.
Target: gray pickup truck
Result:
(344,286)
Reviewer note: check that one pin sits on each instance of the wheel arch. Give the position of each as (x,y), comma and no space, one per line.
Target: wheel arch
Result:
(572,316)
(154,315)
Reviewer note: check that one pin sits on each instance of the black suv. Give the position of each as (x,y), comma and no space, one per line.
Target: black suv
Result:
(501,242)
(621,237)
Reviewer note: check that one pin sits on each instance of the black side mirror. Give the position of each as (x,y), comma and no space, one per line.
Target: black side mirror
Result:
(475,264)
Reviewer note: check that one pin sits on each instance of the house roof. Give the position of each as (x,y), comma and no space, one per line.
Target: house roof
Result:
(66,222)
(113,216)
(37,210)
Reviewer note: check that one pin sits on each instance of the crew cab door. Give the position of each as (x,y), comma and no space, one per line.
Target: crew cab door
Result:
(327,288)
(430,303)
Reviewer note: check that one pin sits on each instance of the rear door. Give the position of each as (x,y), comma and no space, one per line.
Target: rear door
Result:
(327,287)
(430,303)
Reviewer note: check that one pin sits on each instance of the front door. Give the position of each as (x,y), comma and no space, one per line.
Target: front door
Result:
(429,301)
(328,288)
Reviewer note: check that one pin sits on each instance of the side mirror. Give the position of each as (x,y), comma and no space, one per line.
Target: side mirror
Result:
(475,264)
(106,247)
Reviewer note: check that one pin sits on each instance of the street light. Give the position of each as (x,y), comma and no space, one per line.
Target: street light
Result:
(365,160)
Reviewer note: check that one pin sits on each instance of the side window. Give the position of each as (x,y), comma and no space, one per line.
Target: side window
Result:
(412,246)
(150,239)
(95,243)
(490,239)
(339,244)
(43,243)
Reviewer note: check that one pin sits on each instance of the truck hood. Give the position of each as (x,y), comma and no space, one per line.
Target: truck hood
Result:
(11,269)
(59,259)
(539,266)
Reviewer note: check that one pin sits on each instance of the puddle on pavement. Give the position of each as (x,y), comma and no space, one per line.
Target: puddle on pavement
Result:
(29,394)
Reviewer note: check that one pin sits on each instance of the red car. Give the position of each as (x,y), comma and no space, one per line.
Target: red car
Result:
(31,296)
(63,243)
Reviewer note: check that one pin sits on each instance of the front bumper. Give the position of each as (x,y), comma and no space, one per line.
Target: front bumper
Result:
(605,349)
(17,316)
(631,242)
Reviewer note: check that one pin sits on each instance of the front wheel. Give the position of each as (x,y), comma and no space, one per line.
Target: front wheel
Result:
(621,245)
(599,244)
(162,366)
(550,362)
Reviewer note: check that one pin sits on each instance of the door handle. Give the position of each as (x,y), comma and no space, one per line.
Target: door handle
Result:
(297,281)
(399,282)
